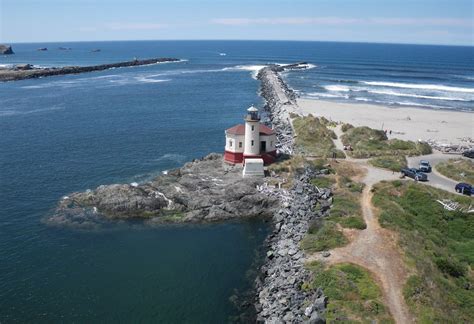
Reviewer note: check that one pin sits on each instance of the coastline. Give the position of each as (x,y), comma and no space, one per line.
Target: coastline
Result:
(407,123)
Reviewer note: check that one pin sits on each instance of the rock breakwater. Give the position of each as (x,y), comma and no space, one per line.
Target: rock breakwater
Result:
(280,297)
(280,104)
(14,74)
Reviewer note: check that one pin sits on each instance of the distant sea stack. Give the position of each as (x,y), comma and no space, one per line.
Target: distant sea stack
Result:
(6,49)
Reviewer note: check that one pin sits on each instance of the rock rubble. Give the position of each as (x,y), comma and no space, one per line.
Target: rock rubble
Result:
(279,297)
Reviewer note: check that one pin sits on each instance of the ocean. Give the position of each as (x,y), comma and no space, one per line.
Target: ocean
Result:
(69,133)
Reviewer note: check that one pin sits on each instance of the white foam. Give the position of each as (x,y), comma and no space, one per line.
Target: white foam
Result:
(7,113)
(252,68)
(362,99)
(412,95)
(222,54)
(419,86)
(148,80)
(324,95)
(338,88)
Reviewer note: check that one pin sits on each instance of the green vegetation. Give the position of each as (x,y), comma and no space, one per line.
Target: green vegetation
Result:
(353,295)
(314,138)
(392,163)
(346,209)
(367,142)
(170,216)
(438,243)
(346,127)
(323,182)
(323,236)
(461,170)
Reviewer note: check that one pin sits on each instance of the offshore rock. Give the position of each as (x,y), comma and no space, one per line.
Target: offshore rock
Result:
(204,190)
(6,49)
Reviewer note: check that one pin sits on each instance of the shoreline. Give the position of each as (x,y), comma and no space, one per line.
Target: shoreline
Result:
(443,127)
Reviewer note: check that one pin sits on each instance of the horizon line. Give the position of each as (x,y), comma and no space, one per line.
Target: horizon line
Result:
(237,40)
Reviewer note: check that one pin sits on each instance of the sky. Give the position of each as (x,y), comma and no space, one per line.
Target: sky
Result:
(448,22)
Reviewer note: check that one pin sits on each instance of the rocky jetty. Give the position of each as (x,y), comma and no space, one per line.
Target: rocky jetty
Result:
(15,74)
(6,49)
(204,190)
(279,297)
(280,103)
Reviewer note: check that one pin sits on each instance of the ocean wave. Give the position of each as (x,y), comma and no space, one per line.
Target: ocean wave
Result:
(8,113)
(435,87)
(412,95)
(416,104)
(252,68)
(362,99)
(337,88)
(179,158)
(148,80)
(326,95)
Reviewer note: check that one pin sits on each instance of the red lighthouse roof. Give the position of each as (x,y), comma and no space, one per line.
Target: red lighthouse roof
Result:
(240,130)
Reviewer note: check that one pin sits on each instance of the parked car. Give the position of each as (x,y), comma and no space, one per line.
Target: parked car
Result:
(414,174)
(464,188)
(469,153)
(425,166)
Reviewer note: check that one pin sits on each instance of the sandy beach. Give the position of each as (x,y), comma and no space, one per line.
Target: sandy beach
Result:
(406,122)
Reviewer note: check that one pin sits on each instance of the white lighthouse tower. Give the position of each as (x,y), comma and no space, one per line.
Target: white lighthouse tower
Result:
(252,133)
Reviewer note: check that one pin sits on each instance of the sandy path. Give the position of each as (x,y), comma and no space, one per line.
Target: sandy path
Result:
(375,248)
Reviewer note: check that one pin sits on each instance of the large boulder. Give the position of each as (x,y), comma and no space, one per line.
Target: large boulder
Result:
(6,49)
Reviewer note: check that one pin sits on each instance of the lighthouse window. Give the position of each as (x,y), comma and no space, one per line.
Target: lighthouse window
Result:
(252,129)
(240,144)
(230,143)
(271,143)
(252,142)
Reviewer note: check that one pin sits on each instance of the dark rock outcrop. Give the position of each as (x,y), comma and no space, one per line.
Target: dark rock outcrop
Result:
(12,74)
(6,49)
(205,190)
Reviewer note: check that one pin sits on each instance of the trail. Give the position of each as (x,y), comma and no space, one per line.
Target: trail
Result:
(375,248)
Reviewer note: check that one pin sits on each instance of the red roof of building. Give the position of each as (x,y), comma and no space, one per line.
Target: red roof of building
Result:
(240,130)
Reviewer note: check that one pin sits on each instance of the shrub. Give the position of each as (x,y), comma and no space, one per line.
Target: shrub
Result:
(451,267)
(345,127)
(326,237)
(392,163)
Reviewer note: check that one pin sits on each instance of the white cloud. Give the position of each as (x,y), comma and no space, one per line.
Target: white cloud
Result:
(133,26)
(345,21)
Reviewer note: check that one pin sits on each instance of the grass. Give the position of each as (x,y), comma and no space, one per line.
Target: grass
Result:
(368,142)
(346,209)
(438,244)
(353,295)
(314,138)
(461,170)
(323,182)
(323,236)
(392,163)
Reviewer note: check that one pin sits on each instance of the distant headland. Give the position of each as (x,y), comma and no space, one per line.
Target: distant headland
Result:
(28,71)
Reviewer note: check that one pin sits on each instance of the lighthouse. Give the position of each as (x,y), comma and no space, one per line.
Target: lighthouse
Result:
(253,140)
(252,133)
